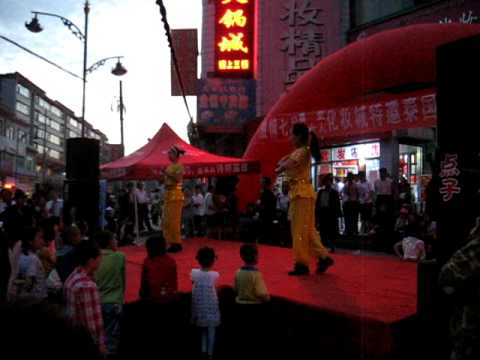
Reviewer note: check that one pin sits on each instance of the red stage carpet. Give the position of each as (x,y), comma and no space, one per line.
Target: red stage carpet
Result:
(371,287)
(373,293)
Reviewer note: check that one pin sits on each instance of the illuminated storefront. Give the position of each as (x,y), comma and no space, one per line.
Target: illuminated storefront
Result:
(340,161)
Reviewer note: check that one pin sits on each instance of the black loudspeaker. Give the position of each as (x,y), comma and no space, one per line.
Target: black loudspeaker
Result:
(82,189)
(83,159)
(458,73)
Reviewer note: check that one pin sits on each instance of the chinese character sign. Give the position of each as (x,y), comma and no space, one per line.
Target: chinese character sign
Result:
(234,38)
(384,114)
(449,173)
(225,103)
(304,40)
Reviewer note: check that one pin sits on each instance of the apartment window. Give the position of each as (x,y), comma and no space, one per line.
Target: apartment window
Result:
(22,90)
(56,111)
(54,154)
(22,136)
(55,125)
(29,163)
(39,133)
(43,104)
(73,122)
(20,162)
(40,148)
(72,134)
(24,109)
(54,139)
(41,118)
(10,133)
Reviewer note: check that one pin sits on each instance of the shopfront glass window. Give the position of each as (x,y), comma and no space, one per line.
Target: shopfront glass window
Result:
(411,167)
(370,10)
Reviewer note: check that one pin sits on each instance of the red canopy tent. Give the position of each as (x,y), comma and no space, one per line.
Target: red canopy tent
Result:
(148,162)
(367,89)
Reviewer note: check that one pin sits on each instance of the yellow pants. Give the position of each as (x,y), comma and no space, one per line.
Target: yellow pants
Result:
(171,221)
(306,239)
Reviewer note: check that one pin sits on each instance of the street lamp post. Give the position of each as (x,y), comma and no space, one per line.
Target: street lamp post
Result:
(121,117)
(86,10)
(35,27)
(17,149)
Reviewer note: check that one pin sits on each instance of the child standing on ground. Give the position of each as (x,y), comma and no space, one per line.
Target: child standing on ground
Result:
(249,284)
(251,311)
(205,309)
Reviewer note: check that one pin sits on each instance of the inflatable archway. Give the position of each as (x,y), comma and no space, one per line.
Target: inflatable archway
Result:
(368,88)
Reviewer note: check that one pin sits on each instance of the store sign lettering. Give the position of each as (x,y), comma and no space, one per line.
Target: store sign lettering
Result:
(449,172)
(467,17)
(354,152)
(234,38)
(304,39)
(225,103)
(400,113)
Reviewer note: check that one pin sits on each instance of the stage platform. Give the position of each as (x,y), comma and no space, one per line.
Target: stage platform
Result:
(365,296)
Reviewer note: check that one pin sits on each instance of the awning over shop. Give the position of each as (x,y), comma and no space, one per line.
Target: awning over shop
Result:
(148,162)
(371,87)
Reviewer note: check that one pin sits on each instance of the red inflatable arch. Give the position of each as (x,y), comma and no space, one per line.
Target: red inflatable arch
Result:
(391,68)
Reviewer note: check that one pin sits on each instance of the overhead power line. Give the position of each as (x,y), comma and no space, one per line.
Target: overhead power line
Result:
(40,57)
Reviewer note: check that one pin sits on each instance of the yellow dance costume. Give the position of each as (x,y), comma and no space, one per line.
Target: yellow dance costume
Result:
(306,239)
(173,205)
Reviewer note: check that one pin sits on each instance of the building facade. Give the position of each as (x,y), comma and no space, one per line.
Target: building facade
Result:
(291,36)
(33,133)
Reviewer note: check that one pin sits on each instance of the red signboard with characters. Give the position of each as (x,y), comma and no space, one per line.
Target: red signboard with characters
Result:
(234,38)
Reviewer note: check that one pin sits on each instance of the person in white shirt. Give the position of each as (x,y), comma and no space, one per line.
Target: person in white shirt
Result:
(283,200)
(410,248)
(55,206)
(210,209)
(366,202)
(351,205)
(143,201)
(198,211)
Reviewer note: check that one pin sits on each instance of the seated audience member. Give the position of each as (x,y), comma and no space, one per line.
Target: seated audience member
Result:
(159,282)
(410,248)
(402,222)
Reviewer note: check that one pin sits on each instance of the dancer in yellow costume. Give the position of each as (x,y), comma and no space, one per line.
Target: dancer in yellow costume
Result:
(297,168)
(173,203)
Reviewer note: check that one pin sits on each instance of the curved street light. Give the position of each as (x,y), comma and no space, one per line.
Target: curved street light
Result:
(119,70)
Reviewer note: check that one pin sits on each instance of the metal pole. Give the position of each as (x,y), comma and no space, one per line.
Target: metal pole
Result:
(15,159)
(44,173)
(85,45)
(121,116)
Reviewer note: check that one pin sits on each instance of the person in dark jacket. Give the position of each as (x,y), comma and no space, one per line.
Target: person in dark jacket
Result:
(66,255)
(327,212)
(267,210)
